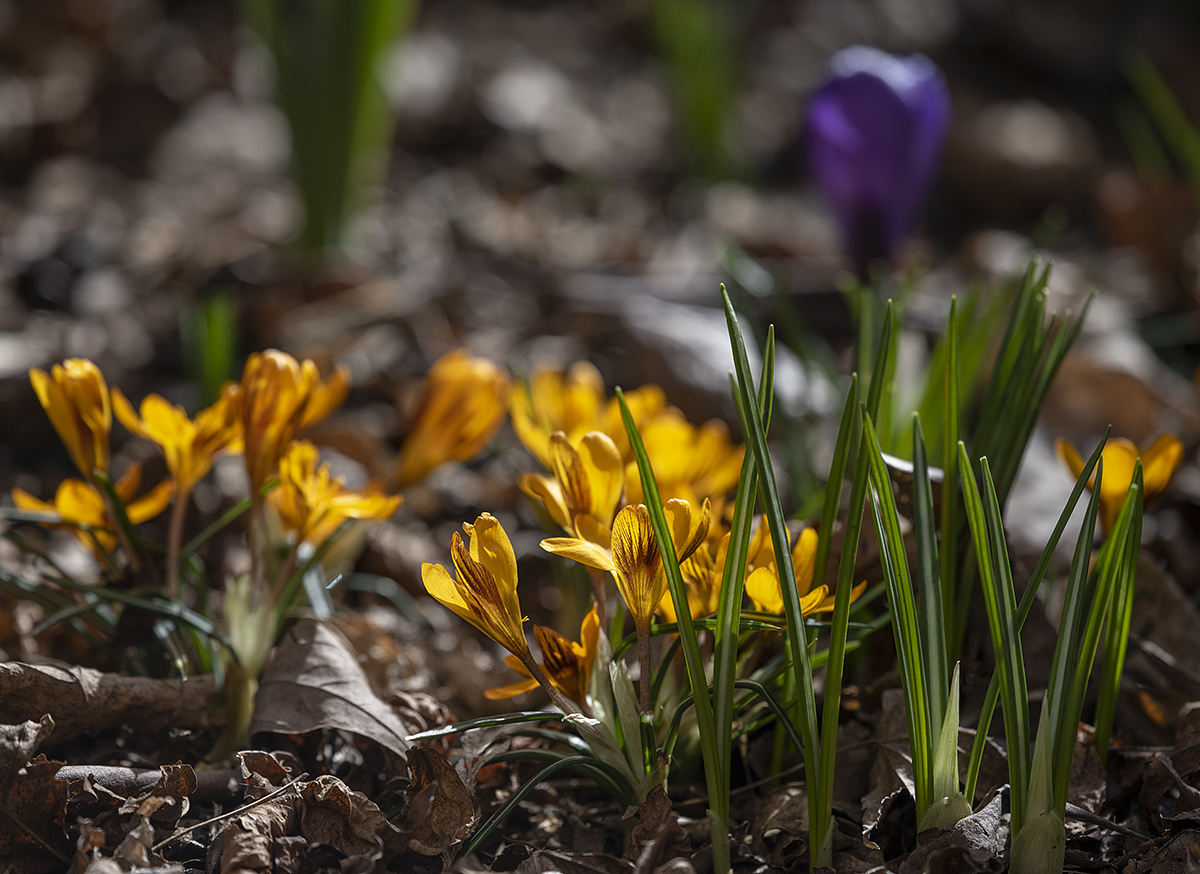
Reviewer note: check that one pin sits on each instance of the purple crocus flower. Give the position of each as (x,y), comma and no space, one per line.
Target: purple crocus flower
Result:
(875,133)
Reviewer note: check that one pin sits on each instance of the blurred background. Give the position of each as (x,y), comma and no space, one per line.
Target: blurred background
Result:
(375,183)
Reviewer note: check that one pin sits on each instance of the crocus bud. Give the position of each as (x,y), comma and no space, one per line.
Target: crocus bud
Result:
(875,134)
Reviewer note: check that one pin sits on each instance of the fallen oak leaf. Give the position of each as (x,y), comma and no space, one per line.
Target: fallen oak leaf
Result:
(314,681)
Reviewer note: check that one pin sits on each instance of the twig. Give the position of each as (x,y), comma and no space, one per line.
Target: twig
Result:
(235,812)
(29,831)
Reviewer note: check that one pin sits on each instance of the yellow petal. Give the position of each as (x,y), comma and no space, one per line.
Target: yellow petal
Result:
(128,417)
(442,588)
(510,691)
(152,503)
(811,601)
(1159,463)
(605,472)
(688,528)
(804,558)
(1070,456)
(547,490)
(486,583)
(581,551)
(491,547)
(762,587)
(25,501)
(79,502)
(587,528)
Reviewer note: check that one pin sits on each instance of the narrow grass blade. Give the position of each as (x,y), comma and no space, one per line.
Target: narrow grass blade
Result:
(950,518)
(769,494)
(585,765)
(840,622)
(1119,618)
(905,626)
(845,448)
(487,722)
(1111,567)
(1027,599)
(733,579)
(705,717)
(1064,663)
(930,620)
(996,578)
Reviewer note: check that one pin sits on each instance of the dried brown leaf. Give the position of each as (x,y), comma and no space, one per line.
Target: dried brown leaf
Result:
(314,681)
(436,787)
(549,861)
(249,837)
(975,845)
(32,801)
(780,828)
(657,837)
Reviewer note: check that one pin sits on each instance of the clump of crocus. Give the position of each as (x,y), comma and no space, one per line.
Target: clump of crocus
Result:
(875,131)
(463,405)
(1159,460)
(484,592)
(189,447)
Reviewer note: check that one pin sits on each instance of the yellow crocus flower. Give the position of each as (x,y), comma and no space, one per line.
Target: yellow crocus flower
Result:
(587,484)
(575,403)
(485,590)
(80,503)
(189,445)
(75,397)
(762,582)
(634,559)
(690,462)
(312,504)
(1159,460)
(568,665)
(279,397)
(463,405)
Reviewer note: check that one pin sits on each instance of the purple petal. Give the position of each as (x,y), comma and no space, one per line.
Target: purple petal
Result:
(875,133)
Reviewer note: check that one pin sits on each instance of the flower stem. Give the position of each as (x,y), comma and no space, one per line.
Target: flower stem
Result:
(286,570)
(644,677)
(535,670)
(174,541)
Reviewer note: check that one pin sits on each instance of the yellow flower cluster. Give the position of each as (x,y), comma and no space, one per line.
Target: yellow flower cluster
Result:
(593,492)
